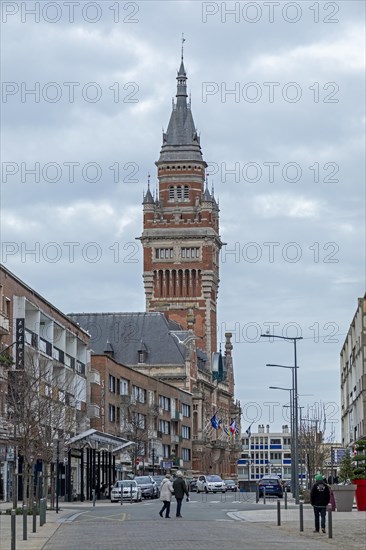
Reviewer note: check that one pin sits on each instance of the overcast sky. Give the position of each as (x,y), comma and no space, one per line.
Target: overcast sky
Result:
(278,98)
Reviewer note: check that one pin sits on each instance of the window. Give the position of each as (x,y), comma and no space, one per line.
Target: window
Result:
(139,420)
(186,410)
(163,253)
(186,432)
(275,441)
(112,413)
(141,356)
(178,192)
(166,451)
(142,395)
(139,394)
(123,386)
(112,384)
(190,253)
(186,454)
(164,427)
(164,403)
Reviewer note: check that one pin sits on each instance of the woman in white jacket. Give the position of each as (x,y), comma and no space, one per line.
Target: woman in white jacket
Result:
(166,491)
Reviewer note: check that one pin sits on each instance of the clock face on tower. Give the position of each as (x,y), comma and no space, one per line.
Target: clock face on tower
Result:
(180,239)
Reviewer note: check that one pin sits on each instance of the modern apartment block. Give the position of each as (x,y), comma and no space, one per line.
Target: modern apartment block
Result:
(264,453)
(353,378)
(40,343)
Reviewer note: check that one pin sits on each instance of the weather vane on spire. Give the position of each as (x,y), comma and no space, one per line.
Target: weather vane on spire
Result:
(183,40)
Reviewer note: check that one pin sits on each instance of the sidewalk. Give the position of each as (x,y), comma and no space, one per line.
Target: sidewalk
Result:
(349,528)
(35,541)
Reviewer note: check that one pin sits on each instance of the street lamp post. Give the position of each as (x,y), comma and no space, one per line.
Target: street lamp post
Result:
(295,407)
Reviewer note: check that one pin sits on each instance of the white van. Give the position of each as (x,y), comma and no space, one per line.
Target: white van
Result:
(210,484)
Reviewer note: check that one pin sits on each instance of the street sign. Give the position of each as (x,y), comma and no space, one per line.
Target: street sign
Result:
(66,460)
(338,455)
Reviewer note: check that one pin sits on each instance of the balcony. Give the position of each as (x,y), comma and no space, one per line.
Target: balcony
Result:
(177,416)
(94,377)
(175,438)
(93,411)
(4,324)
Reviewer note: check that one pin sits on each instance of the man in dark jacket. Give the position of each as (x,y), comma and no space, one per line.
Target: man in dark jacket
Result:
(180,489)
(319,499)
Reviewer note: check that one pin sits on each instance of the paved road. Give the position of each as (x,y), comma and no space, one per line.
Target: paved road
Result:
(206,525)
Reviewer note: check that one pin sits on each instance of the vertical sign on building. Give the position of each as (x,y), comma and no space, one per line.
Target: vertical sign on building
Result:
(19,343)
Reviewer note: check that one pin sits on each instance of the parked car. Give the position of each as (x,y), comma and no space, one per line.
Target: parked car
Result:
(272,486)
(148,486)
(158,480)
(192,485)
(129,488)
(231,485)
(210,484)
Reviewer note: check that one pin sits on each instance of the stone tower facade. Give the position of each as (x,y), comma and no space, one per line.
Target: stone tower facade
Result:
(180,238)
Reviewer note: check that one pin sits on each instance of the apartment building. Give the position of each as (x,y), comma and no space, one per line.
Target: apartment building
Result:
(263,453)
(353,378)
(41,347)
(154,414)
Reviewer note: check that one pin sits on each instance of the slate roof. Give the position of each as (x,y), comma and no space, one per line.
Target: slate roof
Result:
(129,333)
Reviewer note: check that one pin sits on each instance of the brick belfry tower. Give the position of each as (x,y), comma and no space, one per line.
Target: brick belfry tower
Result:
(180,238)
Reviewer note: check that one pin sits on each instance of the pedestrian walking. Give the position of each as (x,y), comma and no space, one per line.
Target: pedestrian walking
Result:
(319,499)
(180,489)
(166,492)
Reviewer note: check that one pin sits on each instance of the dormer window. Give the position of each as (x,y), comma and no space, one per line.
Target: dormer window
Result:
(142,353)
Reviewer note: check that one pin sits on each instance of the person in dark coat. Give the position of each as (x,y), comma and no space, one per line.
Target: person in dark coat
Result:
(180,489)
(319,499)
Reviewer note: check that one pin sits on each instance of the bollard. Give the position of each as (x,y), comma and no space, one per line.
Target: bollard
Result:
(257,494)
(278,512)
(285,498)
(25,521)
(13,529)
(264,495)
(41,511)
(34,529)
(330,522)
(93,493)
(121,495)
(130,491)
(301,509)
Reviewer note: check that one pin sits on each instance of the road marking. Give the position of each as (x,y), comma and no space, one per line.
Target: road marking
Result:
(235,516)
(87,518)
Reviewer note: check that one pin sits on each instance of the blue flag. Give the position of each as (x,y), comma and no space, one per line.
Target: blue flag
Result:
(215,422)
(248,431)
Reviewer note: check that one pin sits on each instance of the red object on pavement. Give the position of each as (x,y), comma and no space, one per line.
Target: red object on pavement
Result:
(332,501)
(360,494)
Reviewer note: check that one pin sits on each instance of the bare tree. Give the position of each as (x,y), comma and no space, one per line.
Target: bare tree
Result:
(312,441)
(40,410)
(137,424)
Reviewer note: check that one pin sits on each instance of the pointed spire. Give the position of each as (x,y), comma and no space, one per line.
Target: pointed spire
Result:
(181,129)
(148,198)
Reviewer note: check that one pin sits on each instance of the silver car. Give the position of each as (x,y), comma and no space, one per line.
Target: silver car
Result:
(210,484)
(130,491)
